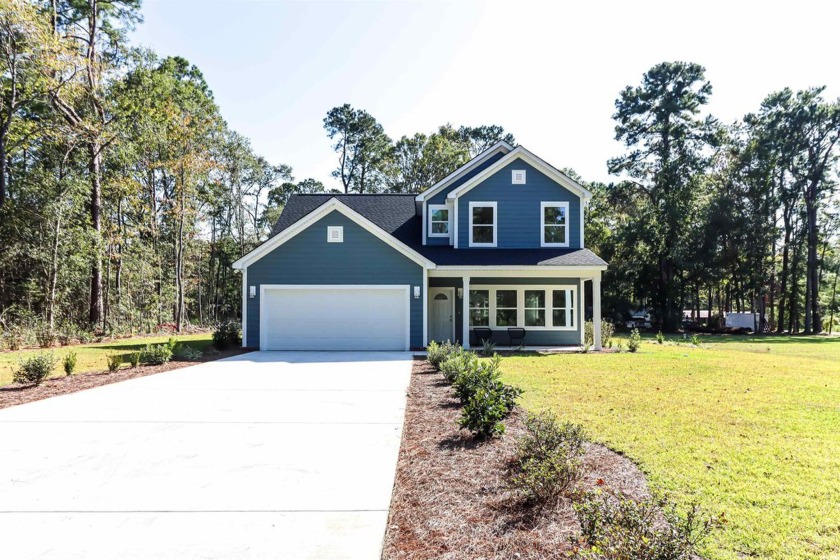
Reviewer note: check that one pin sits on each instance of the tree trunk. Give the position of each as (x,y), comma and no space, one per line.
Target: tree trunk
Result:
(95,315)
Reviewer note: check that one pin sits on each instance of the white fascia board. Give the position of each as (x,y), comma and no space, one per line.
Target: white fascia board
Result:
(516,270)
(523,154)
(466,168)
(332,204)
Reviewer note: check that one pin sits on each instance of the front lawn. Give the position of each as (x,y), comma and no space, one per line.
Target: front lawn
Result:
(747,427)
(94,357)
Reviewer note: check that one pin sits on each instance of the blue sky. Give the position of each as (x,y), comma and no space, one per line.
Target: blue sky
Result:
(548,72)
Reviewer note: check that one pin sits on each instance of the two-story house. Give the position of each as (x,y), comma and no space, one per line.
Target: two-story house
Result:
(498,245)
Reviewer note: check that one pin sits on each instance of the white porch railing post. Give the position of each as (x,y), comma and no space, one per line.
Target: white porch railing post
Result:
(465,314)
(596,311)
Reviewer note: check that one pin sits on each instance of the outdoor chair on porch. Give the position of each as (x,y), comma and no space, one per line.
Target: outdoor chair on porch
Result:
(482,334)
(516,334)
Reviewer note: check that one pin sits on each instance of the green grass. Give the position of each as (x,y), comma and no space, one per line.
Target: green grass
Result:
(94,357)
(747,427)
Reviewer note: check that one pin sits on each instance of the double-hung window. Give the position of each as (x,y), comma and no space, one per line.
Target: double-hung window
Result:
(563,308)
(483,224)
(506,308)
(438,220)
(479,308)
(534,308)
(554,224)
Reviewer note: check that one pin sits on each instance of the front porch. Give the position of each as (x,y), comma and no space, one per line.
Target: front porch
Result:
(549,304)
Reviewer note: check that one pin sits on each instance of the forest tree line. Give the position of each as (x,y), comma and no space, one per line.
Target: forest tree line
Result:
(125,197)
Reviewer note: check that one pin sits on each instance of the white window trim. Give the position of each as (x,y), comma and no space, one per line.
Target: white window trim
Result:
(334,229)
(513,180)
(543,206)
(432,209)
(495,223)
(520,303)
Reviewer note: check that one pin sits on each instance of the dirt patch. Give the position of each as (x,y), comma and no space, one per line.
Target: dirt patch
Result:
(449,497)
(14,394)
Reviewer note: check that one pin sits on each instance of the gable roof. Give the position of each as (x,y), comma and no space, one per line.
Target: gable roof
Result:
(500,146)
(521,153)
(332,203)
(394,214)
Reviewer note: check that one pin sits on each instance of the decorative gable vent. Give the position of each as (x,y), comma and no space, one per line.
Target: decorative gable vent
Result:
(518,176)
(335,234)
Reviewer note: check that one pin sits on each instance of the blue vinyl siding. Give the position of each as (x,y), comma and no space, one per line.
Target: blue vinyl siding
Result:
(535,337)
(518,207)
(362,258)
(440,198)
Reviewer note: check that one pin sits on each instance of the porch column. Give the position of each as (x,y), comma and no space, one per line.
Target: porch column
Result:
(465,313)
(596,311)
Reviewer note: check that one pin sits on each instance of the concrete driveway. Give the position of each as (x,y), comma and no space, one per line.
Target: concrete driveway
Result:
(266,455)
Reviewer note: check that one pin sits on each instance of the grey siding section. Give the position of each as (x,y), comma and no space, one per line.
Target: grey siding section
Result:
(518,206)
(537,337)
(362,258)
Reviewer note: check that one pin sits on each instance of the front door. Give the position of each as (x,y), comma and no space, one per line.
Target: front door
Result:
(441,311)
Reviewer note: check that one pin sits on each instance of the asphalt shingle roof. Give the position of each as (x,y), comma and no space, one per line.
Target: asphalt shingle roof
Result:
(395,213)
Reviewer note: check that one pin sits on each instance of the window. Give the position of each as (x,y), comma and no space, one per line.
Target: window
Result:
(482,224)
(506,308)
(555,224)
(562,308)
(335,234)
(534,308)
(438,220)
(479,308)
(518,176)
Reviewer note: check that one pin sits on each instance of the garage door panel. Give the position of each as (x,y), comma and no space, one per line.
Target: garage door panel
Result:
(335,318)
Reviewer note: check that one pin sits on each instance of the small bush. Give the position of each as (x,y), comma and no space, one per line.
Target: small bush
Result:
(483,413)
(635,340)
(155,354)
(549,458)
(438,353)
(114,362)
(488,348)
(695,340)
(13,338)
(45,336)
(70,363)
(227,335)
(133,358)
(660,338)
(86,337)
(618,528)
(36,368)
(619,346)
(457,363)
(172,344)
(190,353)
(487,401)
(607,332)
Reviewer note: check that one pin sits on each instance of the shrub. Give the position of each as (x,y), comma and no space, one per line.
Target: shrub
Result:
(549,458)
(619,346)
(114,362)
(70,363)
(155,354)
(695,340)
(227,335)
(635,340)
(487,401)
(86,337)
(457,363)
(44,335)
(618,528)
(36,368)
(438,353)
(660,338)
(483,413)
(607,332)
(488,348)
(190,353)
(133,358)
(14,338)
(172,344)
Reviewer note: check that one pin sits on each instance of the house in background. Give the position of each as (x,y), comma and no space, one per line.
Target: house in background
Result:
(496,245)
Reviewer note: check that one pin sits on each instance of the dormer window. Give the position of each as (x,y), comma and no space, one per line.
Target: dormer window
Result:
(438,220)
(482,224)
(518,176)
(554,224)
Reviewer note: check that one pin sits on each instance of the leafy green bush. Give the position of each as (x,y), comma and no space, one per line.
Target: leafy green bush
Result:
(487,401)
(607,332)
(458,362)
(227,335)
(438,353)
(172,344)
(70,363)
(44,335)
(190,353)
(695,340)
(13,337)
(635,340)
(483,413)
(133,358)
(660,338)
(114,362)
(615,527)
(155,354)
(35,368)
(488,348)
(619,346)
(549,458)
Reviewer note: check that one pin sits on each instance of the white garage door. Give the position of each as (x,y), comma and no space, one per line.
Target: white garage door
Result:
(334,318)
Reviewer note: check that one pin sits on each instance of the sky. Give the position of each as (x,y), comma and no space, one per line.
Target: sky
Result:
(549,72)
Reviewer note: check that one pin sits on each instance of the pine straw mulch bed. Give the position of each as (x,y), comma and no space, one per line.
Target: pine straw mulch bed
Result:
(16,393)
(450,500)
